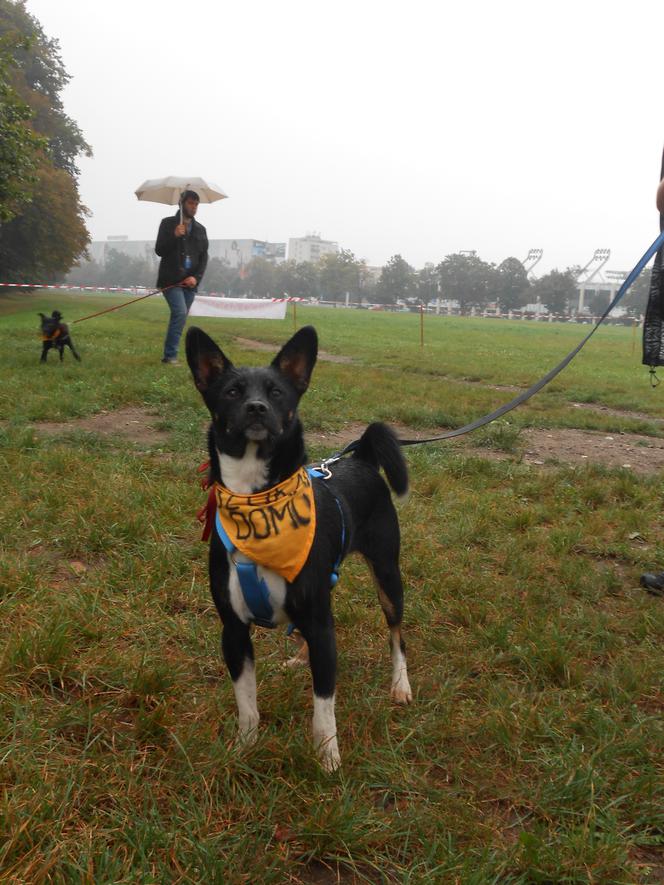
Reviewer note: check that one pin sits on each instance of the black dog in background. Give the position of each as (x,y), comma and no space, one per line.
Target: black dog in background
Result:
(55,333)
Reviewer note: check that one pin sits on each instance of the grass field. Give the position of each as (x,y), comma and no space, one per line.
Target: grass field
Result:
(534,750)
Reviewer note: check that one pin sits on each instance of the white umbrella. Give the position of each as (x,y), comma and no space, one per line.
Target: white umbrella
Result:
(167,190)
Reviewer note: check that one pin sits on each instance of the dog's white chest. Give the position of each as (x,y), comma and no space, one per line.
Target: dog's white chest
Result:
(276,586)
(243,476)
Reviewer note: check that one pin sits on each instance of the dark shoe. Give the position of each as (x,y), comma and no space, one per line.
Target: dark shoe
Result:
(173,361)
(653,583)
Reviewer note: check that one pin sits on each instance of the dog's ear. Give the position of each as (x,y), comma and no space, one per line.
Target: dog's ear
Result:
(42,315)
(206,361)
(297,358)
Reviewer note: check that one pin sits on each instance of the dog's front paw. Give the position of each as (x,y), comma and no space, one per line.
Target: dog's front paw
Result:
(328,755)
(401,692)
(248,733)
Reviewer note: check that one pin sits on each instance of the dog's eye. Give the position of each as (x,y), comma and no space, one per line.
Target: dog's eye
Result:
(233,392)
(275,393)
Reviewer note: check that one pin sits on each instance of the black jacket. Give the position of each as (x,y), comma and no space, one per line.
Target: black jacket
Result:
(172,251)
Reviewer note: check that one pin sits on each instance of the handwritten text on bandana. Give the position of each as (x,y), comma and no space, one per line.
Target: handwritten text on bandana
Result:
(274,528)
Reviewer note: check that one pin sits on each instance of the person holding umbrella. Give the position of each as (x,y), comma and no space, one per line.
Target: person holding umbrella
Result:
(182,245)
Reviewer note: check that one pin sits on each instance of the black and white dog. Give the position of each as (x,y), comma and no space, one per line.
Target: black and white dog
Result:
(256,442)
(55,333)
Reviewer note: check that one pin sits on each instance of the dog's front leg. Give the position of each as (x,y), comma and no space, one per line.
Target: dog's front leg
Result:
(323,660)
(239,657)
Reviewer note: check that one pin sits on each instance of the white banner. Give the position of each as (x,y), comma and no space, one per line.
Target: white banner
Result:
(248,308)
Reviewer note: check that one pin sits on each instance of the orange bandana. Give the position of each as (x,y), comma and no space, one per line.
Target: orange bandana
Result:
(274,528)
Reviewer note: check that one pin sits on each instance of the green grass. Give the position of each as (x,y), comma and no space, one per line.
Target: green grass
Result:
(533,751)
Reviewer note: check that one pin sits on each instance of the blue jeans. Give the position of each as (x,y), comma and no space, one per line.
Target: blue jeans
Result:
(179,300)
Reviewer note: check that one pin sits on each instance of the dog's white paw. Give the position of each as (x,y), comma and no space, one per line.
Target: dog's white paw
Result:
(248,732)
(328,755)
(300,658)
(401,692)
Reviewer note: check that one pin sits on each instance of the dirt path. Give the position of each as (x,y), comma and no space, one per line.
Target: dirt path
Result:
(642,454)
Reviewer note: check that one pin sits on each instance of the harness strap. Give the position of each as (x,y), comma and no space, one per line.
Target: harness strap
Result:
(255,591)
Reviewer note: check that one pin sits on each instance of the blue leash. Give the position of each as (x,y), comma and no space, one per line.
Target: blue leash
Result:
(531,391)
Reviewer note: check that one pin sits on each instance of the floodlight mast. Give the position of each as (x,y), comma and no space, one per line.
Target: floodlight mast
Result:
(601,256)
(599,259)
(532,258)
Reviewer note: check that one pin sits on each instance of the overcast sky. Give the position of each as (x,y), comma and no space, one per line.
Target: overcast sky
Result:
(415,127)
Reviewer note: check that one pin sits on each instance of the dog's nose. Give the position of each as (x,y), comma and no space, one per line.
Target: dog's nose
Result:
(256,408)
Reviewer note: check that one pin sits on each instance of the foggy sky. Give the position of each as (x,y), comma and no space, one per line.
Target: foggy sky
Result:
(414,127)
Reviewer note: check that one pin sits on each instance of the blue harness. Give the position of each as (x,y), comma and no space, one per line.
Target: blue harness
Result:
(254,589)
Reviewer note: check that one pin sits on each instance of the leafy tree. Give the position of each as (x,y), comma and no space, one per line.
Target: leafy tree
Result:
(21,148)
(297,279)
(339,272)
(260,277)
(467,279)
(636,299)
(512,287)
(219,276)
(46,235)
(427,284)
(39,76)
(556,291)
(397,281)
(44,241)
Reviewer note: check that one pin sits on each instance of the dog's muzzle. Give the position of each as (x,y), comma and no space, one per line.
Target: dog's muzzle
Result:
(259,421)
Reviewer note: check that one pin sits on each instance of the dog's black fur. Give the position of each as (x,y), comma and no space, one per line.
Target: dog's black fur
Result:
(55,333)
(254,410)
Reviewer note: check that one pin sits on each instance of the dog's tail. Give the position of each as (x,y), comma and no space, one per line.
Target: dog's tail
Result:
(379,446)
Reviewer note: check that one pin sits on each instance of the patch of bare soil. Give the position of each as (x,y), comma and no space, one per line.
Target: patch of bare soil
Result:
(250,344)
(642,454)
(133,423)
(619,413)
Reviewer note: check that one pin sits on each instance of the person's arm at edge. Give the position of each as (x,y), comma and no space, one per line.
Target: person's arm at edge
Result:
(660,197)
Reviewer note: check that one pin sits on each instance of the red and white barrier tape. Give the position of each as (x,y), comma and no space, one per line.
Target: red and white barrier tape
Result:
(136,290)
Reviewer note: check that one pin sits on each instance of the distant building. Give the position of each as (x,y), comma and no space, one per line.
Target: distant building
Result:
(310,248)
(236,252)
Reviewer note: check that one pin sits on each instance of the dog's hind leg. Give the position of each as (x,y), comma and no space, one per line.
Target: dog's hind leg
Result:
(73,349)
(390,595)
(380,548)
(239,657)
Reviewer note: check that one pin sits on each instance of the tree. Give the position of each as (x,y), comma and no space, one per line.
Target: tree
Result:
(636,299)
(260,277)
(219,276)
(39,76)
(556,291)
(297,279)
(43,242)
(397,281)
(21,149)
(47,232)
(467,279)
(427,283)
(339,272)
(512,287)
